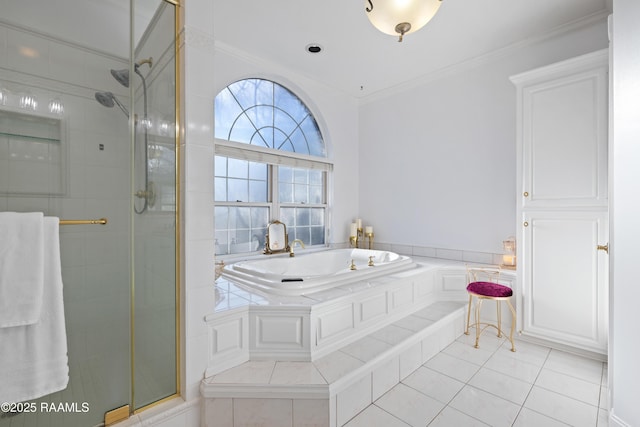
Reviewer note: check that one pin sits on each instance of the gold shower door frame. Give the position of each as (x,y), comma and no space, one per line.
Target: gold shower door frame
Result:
(124,412)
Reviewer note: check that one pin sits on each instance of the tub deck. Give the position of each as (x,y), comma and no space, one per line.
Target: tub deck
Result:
(308,273)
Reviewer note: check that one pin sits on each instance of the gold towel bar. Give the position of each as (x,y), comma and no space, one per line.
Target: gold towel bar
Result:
(102,221)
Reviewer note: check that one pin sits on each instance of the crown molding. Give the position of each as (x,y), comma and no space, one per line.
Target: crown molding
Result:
(486,58)
(196,38)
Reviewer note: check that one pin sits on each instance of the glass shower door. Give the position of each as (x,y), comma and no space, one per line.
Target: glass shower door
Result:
(154,351)
(57,64)
(119,278)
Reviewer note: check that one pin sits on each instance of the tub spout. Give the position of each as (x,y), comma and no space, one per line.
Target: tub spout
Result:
(291,254)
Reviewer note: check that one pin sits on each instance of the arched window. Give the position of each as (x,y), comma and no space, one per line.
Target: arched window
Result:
(264,114)
(270,164)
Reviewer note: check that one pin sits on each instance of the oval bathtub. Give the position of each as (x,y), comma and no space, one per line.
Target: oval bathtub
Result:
(313,272)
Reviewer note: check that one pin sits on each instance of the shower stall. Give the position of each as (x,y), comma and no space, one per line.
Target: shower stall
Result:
(66,151)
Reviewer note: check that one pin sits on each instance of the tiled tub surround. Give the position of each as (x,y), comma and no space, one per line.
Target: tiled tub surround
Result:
(322,358)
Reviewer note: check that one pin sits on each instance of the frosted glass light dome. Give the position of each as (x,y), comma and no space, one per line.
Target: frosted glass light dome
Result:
(391,16)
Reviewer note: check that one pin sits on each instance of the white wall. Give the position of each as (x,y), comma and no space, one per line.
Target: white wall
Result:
(196,148)
(624,370)
(438,160)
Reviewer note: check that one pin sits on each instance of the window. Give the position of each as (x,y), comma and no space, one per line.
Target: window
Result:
(270,164)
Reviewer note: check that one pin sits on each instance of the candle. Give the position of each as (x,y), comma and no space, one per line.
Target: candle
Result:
(368,229)
(508,259)
(353,231)
(359,223)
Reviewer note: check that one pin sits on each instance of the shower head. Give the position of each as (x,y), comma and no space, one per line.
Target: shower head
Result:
(108,99)
(105,98)
(122,76)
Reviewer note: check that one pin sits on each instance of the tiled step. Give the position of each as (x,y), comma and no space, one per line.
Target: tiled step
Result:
(331,390)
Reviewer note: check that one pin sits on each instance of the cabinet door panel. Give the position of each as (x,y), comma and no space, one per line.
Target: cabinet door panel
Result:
(564,278)
(565,141)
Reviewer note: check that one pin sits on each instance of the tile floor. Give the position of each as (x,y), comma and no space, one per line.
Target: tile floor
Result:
(491,386)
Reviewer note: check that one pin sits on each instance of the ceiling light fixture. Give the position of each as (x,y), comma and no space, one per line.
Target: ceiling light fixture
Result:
(401,16)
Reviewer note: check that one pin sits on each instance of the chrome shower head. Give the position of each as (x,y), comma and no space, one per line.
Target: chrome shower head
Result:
(122,76)
(108,99)
(105,98)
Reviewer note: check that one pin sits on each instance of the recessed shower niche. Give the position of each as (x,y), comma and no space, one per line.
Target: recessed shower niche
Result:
(32,154)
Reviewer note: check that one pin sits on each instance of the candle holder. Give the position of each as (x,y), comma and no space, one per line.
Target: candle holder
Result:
(354,241)
(355,233)
(370,237)
(509,256)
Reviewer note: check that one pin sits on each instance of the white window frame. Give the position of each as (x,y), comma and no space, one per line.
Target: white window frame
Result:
(249,152)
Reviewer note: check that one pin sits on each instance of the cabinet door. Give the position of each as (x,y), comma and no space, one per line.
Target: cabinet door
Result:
(564,289)
(564,141)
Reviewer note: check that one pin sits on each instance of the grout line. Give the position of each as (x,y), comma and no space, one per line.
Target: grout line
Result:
(533,385)
(272,372)
(465,384)
(382,409)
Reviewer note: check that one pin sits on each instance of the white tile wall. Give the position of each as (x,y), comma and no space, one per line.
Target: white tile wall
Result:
(353,400)
(410,360)
(384,377)
(198,204)
(267,412)
(310,413)
(218,412)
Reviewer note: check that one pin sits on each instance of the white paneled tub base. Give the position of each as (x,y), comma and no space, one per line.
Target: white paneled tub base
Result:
(334,388)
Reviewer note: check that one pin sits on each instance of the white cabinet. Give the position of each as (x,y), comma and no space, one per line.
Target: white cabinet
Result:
(563,137)
(562,202)
(564,295)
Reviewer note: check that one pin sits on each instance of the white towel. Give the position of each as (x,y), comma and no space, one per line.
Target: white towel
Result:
(21,267)
(33,358)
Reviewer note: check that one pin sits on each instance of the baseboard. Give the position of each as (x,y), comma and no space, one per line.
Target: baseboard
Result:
(615,421)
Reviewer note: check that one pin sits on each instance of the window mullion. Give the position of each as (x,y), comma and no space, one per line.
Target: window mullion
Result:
(274,193)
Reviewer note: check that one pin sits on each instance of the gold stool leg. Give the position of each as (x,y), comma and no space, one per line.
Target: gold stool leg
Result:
(498,305)
(466,332)
(513,325)
(478,306)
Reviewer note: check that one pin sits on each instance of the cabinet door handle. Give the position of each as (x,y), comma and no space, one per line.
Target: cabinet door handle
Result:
(525,194)
(526,224)
(604,248)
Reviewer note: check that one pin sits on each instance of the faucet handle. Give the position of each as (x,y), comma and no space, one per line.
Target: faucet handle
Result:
(370,264)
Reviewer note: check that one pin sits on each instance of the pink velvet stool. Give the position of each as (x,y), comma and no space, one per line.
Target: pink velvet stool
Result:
(482,284)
